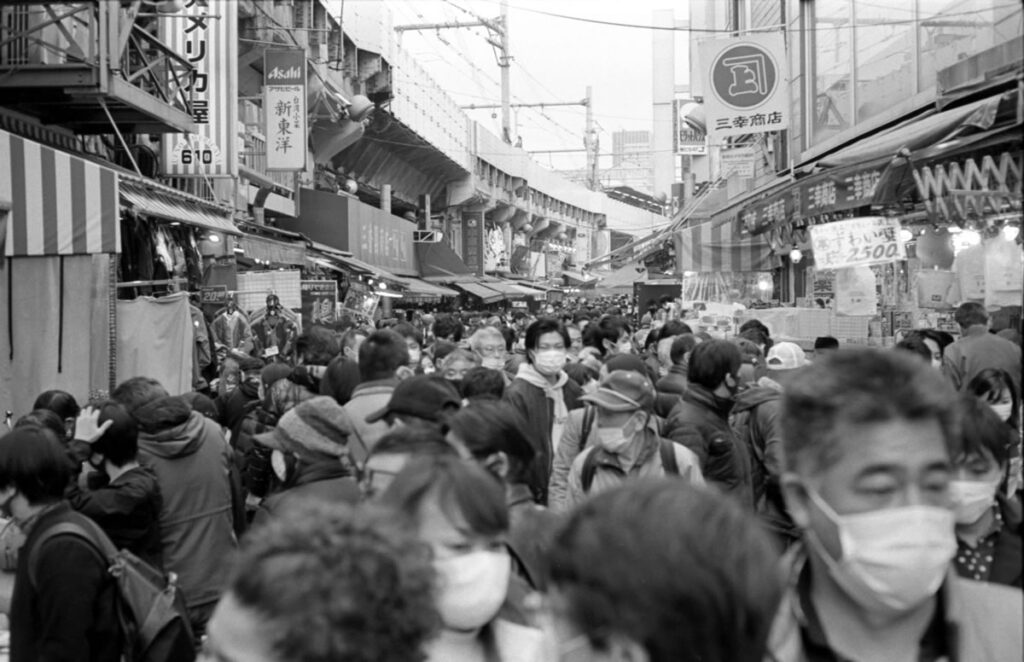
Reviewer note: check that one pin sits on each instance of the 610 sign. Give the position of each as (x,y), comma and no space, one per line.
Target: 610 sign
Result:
(196,150)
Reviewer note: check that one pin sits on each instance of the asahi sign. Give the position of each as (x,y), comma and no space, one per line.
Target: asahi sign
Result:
(284,109)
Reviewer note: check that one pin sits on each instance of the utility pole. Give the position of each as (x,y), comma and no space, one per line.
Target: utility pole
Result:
(505,62)
(592,142)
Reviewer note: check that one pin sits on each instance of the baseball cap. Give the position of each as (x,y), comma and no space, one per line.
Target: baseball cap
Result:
(623,390)
(421,396)
(312,429)
(786,356)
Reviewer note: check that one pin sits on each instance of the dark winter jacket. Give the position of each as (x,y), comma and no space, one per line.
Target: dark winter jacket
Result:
(674,382)
(701,423)
(530,533)
(192,463)
(233,408)
(69,614)
(538,411)
(128,510)
(326,481)
(251,458)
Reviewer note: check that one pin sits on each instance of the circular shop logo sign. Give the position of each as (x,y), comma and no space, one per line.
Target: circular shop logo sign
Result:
(744,76)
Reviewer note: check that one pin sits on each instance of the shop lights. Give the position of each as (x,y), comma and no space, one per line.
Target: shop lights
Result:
(969,238)
(796,255)
(906,235)
(383,286)
(1010,232)
(213,237)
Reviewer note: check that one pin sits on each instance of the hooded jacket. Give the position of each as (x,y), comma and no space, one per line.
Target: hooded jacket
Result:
(192,463)
(324,480)
(701,423)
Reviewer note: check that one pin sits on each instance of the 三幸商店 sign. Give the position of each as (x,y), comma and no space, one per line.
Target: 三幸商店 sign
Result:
(745,85)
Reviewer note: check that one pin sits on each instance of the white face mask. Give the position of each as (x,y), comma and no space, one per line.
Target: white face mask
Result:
(414,356)
(892,559)
(279,464)
(472,588)
(1003,410)
(616,440)
(624,347)
(971,498)
(549,361)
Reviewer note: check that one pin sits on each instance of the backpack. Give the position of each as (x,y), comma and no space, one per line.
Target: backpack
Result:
(150,608)
(666,448)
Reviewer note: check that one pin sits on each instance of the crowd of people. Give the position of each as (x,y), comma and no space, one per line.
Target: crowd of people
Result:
(551,488)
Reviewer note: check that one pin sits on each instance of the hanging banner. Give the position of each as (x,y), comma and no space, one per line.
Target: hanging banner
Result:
(473,240)
(857,242)
(319,299)
(284,109)
(206,34)
(856,292)
(745,85)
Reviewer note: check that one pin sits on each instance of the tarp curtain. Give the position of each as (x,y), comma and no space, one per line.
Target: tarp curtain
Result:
(708,248)
(46,356)
(154,339)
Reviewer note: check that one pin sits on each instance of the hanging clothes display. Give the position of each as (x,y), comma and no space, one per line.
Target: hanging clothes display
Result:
(155,339)
(1004,272)
(969,285)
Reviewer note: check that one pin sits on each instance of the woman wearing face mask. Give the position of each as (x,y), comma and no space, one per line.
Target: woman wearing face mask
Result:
(996,388)
(988,525)
(543,395)
(459,510)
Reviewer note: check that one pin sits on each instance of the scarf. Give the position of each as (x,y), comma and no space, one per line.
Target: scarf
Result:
(554,392)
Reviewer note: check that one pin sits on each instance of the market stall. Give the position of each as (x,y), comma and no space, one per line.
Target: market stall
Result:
(59,236)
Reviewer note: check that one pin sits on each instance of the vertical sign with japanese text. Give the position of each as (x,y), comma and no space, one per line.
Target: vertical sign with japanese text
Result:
(319,298)
(687,138)
(205,32)
(473,241)
(284,108)
(746,86)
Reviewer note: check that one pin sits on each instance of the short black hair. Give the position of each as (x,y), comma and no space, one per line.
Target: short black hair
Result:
(581,373)
(610,328)
(137,392)
(981,429)
(465,491)
(43,418)
(711,361)
(443,348)
(487,428)
(59,402)
(755,324)
(339,379)
(120,443)
(317,345)
(671,567)
(483,382)
(757,335)
(674,328)
(35,463)
(682,345)
(330,582)
(448,326)
(381,354)
(826,342)
(914,343)
(543,326)
(509,334)
(970,313)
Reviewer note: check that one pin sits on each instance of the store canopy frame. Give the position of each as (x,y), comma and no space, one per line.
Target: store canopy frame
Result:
(153,199)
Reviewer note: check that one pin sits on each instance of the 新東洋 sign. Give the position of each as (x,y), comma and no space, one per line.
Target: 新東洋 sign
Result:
(857,242)
(284,109)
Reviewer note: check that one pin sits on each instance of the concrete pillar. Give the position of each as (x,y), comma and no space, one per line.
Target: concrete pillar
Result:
(385,197)
(664,94)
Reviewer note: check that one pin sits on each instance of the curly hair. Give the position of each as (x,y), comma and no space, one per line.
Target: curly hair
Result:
(334,583)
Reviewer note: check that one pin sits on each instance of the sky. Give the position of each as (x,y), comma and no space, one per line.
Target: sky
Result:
(554,60)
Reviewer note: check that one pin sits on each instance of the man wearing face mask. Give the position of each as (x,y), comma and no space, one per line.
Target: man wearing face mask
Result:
(988,524)
(700,421)
(543,395)
(628,445)
(867,439)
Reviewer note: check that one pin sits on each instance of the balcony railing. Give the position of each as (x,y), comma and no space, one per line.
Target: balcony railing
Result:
(62,57)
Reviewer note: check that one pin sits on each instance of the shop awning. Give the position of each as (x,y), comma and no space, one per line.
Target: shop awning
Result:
(60,204)
(486,294)
(578,278)
(165,203)
(438,263)
(707,247)
(272,251)
(417,287)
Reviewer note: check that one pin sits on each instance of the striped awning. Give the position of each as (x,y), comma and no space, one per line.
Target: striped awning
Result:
(716,247)
(167,204)
(60,204)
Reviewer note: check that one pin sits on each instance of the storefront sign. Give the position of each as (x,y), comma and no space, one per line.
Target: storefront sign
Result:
(857,242)
(213,294)
(284,109)
(745,85)
(688,139)
(839,190)
(206,34)
(318,301)
(738,161)
(473,240)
